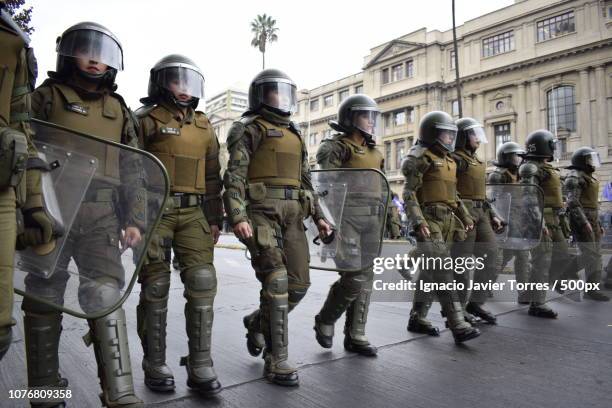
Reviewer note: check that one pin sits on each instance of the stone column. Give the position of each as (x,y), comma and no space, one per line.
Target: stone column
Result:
(601,138)
(468,108)
(478,110)
(521,115)
(535,107)
(584,115)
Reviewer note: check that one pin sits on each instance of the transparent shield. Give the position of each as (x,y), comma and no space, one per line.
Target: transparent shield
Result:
(103,249)
(359,219)
(522,205)
(63,190)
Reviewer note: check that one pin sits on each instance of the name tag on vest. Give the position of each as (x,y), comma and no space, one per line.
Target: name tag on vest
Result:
(438,164)
(77,108)
(170,131)
(274,133)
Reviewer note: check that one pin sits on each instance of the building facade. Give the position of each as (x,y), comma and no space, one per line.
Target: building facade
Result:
(222,110)
(531,65)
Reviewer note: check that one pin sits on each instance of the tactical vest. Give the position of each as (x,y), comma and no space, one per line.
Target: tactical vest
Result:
(440,180)
(182,149)
(101,117)
(362,157)
(471,183)
(278,158)
(551,187)
(12,46)
(508,176)
(590,193)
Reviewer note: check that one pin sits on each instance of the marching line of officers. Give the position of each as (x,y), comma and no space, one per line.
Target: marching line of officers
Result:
(267,193)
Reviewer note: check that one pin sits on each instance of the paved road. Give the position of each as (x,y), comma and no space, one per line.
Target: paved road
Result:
(522,362)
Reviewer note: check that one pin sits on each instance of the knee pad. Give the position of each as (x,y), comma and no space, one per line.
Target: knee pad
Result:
(352,283)
(276,282)
(98,294)
(200,280)
(156,288)
(52,294)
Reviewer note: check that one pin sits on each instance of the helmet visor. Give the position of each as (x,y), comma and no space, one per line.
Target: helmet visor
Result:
(365,120)
(446,135)
(278,95)
(91,45)
(477,134)
(593,160)
(181,81)
(554,147)
(514,159)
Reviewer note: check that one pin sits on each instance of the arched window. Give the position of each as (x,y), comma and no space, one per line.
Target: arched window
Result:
(561,108)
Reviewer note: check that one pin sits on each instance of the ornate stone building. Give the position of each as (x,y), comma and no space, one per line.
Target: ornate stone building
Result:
(534,64)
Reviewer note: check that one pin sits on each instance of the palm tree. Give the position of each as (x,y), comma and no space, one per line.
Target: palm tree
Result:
(264,31)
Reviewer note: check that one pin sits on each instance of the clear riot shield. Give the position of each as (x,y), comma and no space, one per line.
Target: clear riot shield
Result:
(355,202)
(94,264)
(522,208)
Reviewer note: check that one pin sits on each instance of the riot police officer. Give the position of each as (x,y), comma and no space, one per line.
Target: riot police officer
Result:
(185,142)
(16,191)
(540,146)
(480,242)
(353,147)
(438,217)
(81,95)
(394,224)
(582,191)
(268,192)
(509,158)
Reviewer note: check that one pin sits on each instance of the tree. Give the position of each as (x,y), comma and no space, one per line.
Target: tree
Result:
(264,31)
(21,17)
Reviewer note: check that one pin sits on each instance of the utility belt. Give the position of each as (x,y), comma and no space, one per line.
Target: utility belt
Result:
(363,210)
(283,193)
(186,200)
(101,195)
(475,203)
(438,210)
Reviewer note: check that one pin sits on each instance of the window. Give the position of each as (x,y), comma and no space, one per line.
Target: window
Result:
(359,89)
(555,26)
(410,115)
(397,72)
(561,108)
(409,69)
(387,156)
(297,107)
(399,118)
(498,44)
(452,59)
(327,133)
(455,107)
(387,120)
(385,76)
(399,152)
(343,94)
(312,139)
(502,133)
(328,100)
(314,105)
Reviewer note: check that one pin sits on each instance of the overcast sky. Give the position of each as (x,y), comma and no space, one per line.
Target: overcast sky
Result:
(319,41)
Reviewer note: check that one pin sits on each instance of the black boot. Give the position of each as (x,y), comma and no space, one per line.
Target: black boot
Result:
(541,310)
(324,333)
(597,295)
(477,310)
(367,349)
(255,339)
(417,325)
(465,334)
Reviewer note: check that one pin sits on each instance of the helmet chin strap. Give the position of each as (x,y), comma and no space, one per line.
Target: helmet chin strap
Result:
(95,79)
